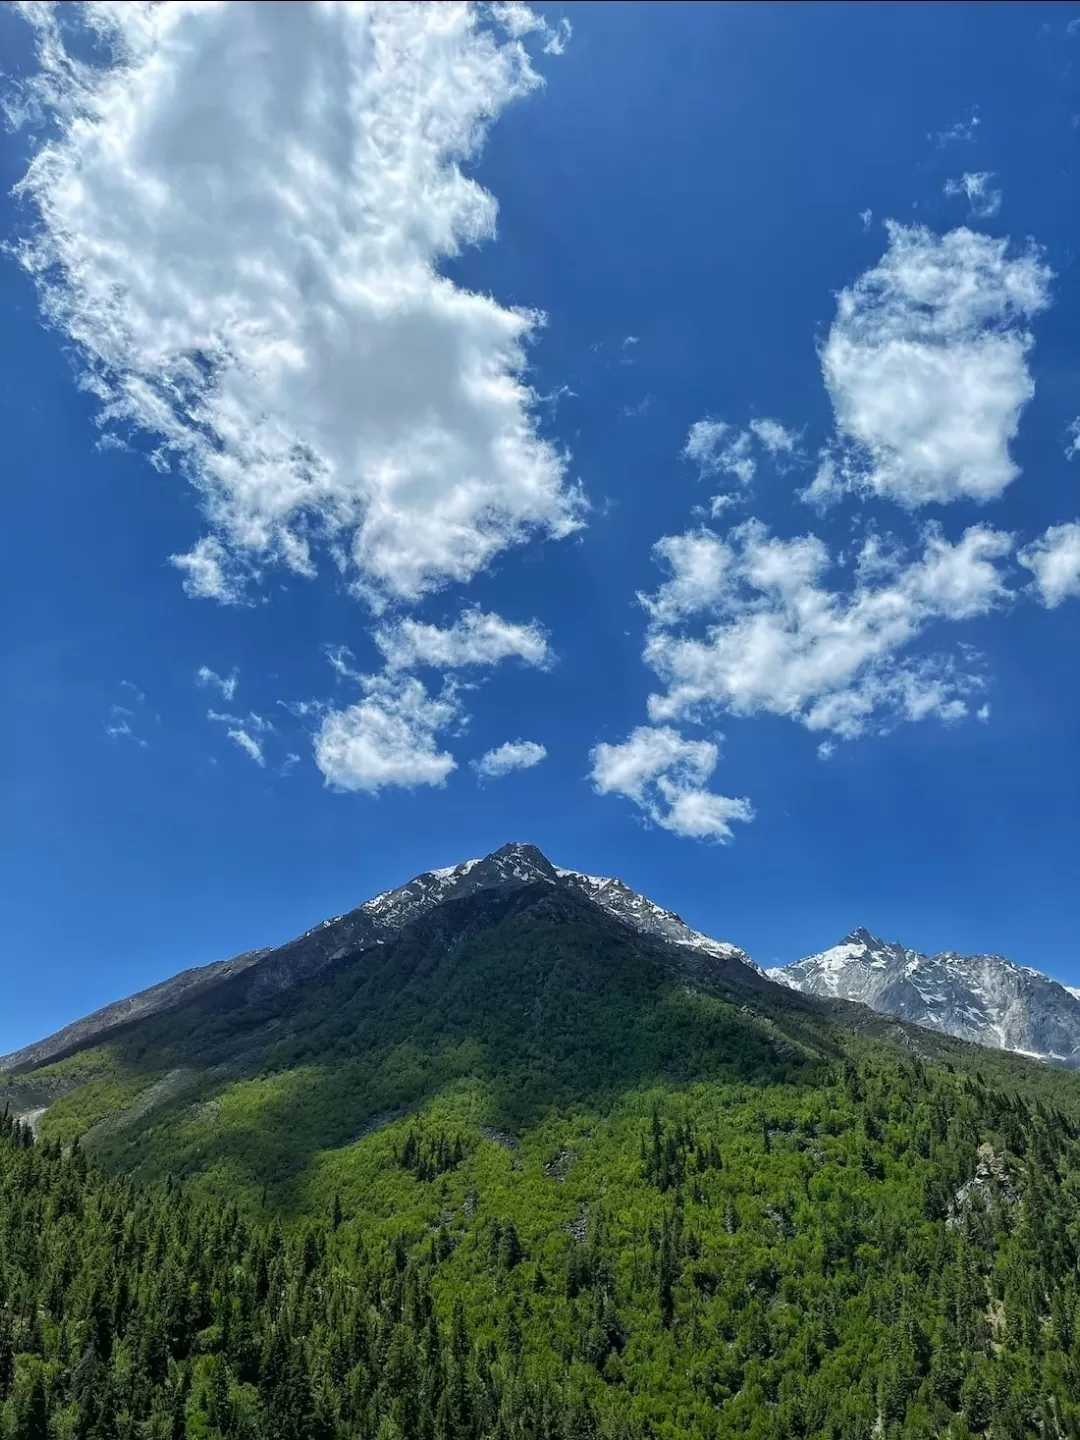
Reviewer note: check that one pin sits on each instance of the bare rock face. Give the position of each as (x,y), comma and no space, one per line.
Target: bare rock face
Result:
(261,973)
(991,1185)
(985,999)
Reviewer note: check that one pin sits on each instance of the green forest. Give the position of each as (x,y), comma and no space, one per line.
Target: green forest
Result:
(894,1252)
(538,1183)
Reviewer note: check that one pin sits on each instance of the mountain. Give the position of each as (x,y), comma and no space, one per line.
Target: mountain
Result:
(985,999)
(377,921)
(509,1151)
(536,984)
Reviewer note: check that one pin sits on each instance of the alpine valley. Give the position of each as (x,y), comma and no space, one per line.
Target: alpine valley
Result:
(512,1151)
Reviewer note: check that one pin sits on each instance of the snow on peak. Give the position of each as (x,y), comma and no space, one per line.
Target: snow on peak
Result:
(519,863)
(986,999)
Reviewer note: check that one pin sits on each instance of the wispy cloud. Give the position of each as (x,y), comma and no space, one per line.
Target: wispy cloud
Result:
(204,676)
(984,202)
(212,571)
(245,732)
(118,726)
(717,448)
(248,744)
(961,132)
(125,722)
(476,638)
(777,439)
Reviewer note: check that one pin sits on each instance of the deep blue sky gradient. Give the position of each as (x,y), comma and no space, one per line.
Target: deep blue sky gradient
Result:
(691,175)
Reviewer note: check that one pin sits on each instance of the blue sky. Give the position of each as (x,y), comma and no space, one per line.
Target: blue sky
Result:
(642,430)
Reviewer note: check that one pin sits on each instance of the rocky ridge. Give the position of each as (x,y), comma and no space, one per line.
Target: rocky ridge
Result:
(377,922)
(985,999)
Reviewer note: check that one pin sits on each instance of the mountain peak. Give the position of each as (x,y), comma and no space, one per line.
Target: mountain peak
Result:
(522,861)
(378,922)
(522,849)
(985,999)
(861,936)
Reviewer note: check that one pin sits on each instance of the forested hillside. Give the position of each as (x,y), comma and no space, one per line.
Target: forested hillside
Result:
(891,1250)
(528,1172)
(514,1008)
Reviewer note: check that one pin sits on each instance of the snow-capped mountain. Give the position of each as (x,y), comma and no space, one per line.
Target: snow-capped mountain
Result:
(983,998)
(378,921)
(521,864)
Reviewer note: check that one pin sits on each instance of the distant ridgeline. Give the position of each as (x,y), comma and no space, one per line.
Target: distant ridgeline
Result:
(521,1157)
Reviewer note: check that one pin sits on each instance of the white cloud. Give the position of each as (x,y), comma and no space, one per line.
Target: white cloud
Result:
(476,638)
(341,659)
(701,567)
(123,720)
(1054,560)
(248,744)
(288,764)
(983,713)
(717,448)
(776,438)
(244,732)
(665,775)
(258,723)
(958,581)
(778,640)
(636,412)
(226,684)
(513,755)
(926,367)
(984,202)
(518,21)
(963,130)
(866,216)
(212,573)
(388,738)
(302,708)
(558,39)
(1072,450)
(240,217)
(119,726)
